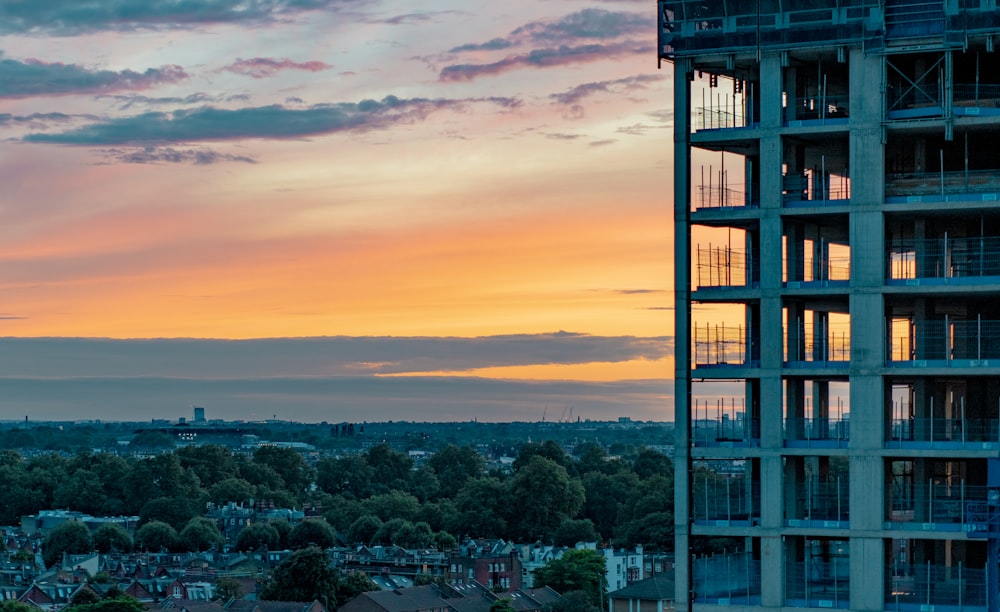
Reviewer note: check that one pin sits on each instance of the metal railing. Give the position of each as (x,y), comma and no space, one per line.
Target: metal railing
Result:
(942,183)
(726,579)
(715,118)
(924,586)
(724,499)
(976,95)
(937,503)
(821,107)
(829,343)
(816,429)
(714,196)
(718,344)
(820,500)
(724,266)
(944,257)
(818,583)
(962,430)
(805,187)
(946,340)
(831,269)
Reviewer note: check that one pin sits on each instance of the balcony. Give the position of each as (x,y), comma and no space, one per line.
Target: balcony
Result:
(820,344)
(944,343)
(723,267)
(818,582)
(819,502)
(819,188)
(927,586)
(818,110)
(945,260)
(826,432)
(950,186)
(949,506)
(715,197)
(728,579)
(723,494)
(717,345)
(722,424)
(944,434)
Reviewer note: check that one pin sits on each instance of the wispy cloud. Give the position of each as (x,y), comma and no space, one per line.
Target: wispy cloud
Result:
(545,58)
(587,35)
(32,77)
(615,87)
(265,122)
(263,67)
(70,17)
(170,155)
(37,121)
(127,101)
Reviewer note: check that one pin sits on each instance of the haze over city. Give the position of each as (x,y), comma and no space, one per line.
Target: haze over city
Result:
(334,210)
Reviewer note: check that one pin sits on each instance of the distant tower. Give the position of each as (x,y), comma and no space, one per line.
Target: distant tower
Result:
(199,414)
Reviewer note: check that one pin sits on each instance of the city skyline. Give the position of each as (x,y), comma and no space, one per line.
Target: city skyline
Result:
(449,178)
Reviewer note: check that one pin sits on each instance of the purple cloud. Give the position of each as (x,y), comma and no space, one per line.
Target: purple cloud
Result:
(32,77)
(263,67)
(545,58)
(617,86)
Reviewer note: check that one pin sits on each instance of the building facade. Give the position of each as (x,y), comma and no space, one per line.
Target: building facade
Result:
(837,243)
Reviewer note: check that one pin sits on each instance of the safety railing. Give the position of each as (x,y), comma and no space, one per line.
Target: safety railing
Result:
(714,196)
(716,118)
(719,344)
(724,499)
(927,430)
(818,344)
(945,257)
(821,108)
(829,429)
(818,583)
(797,187)
(817,499)
(914,505)
(831,269)
(976,95)
(724,266)
(926,586)
(726,579)
(945,340)
(941,183)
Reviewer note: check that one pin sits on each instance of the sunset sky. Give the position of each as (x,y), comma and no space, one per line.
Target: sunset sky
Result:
(445,209)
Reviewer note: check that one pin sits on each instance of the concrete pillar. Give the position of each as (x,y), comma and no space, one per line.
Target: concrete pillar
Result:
(682,322)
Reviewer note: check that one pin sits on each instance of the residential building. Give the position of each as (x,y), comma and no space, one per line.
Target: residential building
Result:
(654,594)
(837,244)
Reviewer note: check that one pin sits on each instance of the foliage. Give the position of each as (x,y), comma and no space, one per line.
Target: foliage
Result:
(545,496)
(288,464)
(235,490)
(312,532)
(257,535)
(151,438)
(363,529)
(574,531)
(228,588)
(112,537)
(71,537)
(200,534)
(122,603)
(84,596)
(502,605)
(354,584)
(576,570)
(454,465)
(12,605)
(573,601)
(156,536)
(304,576)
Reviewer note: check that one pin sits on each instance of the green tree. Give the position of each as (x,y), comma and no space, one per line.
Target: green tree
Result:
(156,536)
(576,570)
(211,463)
(482,505)
(71,537)
(228,588)
(454,465)
(257,535)
(548,449)
(574,531)
(391,468)
(363,529)
(200,534)
(605,497)
(284,530)
(312,532)
(304,576)
(122,603)
(235,490)
(393,504)
(573,601)
(152,439)
(650,463)
(348,476)
(175,511)
(12,605)
(545,496)
(112,537)
(83,597)
(352,585)
(502,605)
(288,464)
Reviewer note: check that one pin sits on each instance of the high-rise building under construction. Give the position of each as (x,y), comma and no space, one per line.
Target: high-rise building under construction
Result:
(837,243)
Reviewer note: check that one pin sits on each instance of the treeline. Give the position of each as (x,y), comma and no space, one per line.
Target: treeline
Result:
(378,496)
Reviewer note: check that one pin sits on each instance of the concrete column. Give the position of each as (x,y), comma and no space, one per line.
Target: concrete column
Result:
(682,326)
(772,572)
